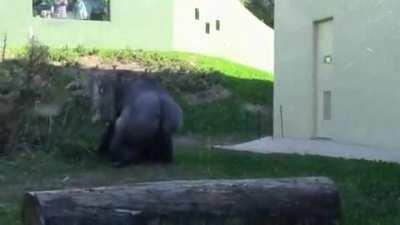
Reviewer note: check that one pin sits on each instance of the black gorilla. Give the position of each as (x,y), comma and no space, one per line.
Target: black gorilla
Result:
(146,118)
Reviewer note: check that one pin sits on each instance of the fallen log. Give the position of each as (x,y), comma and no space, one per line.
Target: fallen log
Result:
(296,201)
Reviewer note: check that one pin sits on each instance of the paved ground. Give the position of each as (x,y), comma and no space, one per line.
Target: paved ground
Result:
(315,147)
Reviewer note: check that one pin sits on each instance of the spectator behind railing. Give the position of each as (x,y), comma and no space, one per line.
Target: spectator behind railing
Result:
(80,9)
(60,8)
(72,9)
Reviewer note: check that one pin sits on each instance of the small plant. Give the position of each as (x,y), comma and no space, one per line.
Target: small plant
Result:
(67,56)
(36,58)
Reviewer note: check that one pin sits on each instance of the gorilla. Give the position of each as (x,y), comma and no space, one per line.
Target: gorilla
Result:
(146,118)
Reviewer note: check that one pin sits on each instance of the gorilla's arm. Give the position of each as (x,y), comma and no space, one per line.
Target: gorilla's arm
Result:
(171,117)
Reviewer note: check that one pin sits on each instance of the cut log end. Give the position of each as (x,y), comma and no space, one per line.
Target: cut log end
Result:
(31,213)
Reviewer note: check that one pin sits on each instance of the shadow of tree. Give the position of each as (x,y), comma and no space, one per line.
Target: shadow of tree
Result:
(84,111)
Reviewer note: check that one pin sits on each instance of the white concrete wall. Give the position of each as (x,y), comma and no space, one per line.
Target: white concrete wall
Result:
(242,38)
(366,93)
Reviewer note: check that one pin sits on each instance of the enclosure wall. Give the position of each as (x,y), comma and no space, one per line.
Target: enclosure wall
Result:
(365,93)
(135,24)
(241,38)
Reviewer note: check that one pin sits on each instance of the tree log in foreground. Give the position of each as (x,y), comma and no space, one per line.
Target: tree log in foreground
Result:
(297,201)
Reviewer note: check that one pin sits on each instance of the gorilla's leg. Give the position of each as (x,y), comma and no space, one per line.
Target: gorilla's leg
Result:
(166,147)
(124,151)
(125,156)
(162,149)
(104,147)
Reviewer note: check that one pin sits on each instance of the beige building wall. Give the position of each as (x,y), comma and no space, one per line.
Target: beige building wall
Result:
(242,37)
(365,102)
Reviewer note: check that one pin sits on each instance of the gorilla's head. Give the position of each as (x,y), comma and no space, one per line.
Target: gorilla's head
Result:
(106,89)
(102,92)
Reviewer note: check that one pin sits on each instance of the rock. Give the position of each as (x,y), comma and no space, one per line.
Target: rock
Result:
(66,179)
(254,108)
(96,117)
(6,108)
(37,82)
(7,103)
(78,88)
(48,110)
(75,85)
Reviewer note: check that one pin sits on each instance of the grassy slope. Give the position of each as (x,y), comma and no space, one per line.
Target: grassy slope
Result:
(250,84)
(221,118)
(370,191)
(224,66)
(227,117)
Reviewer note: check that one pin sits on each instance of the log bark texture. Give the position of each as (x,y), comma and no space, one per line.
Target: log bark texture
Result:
(293,201)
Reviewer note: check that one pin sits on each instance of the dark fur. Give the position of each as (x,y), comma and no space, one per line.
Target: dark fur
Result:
(146,118)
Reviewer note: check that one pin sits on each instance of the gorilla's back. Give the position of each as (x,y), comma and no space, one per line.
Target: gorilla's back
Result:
(148,106)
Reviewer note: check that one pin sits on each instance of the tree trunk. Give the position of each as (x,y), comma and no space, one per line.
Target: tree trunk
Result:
(297,201)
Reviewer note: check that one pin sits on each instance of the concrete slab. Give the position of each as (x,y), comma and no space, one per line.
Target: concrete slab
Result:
(327,148)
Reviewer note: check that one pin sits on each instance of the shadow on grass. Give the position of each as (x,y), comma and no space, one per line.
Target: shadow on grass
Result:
(369,189)
(226,117)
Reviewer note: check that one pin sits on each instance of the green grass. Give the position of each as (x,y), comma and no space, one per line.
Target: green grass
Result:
(247,83)
(370,191)
(226,117)
(224,66)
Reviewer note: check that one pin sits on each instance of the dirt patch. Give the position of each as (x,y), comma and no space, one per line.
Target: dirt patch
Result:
(188,141)
(211,95)
(91,62)
(192,140)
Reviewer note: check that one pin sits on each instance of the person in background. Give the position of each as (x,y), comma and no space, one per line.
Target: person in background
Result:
(60,8)
(81,12)
(45,14)
(42,9)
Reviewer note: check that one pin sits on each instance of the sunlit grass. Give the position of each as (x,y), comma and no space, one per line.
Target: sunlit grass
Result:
(224,66)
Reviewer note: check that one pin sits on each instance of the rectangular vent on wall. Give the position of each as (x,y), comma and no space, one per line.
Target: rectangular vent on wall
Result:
(327,105)
(197,13)
(207,28)
(218,25)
